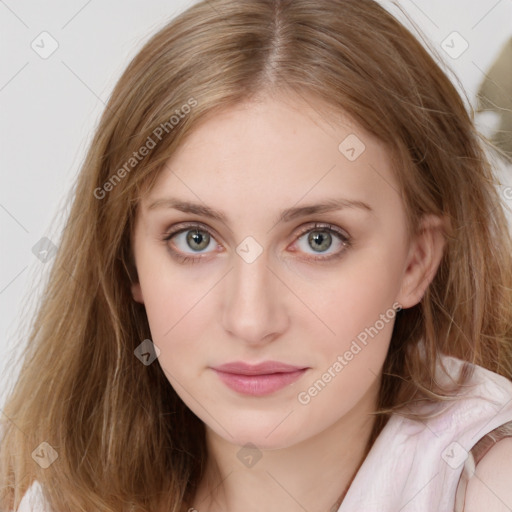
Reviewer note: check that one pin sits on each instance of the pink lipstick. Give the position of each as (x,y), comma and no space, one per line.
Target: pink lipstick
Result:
(258,379)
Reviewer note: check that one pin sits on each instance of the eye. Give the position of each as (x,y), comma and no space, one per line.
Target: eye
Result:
(193,238)
(322,237)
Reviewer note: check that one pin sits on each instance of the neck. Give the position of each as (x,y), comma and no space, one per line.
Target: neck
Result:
(312,475)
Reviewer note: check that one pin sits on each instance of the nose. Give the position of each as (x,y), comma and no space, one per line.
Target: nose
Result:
(254,309)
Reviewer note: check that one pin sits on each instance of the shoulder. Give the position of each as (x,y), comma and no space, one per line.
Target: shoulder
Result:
(489,488)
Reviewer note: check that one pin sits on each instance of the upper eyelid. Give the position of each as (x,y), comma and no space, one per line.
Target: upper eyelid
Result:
(187,227)
(326,226)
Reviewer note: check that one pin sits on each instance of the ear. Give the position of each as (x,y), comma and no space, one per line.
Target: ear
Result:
(423,260)
(134,280)
(137,292)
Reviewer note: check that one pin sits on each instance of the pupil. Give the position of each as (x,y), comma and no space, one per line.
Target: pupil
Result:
(322,239)
(196,237)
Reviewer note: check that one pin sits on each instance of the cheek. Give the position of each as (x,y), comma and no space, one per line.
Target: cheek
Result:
(357,306)
(178,304)
(359,312)
(355,295)
(171,291)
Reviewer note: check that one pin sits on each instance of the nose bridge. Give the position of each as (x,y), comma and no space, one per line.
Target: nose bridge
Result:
(251,278)
(253,307)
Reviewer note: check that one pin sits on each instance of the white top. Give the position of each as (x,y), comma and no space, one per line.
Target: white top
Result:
(416,467)
(413,466)
(33,500)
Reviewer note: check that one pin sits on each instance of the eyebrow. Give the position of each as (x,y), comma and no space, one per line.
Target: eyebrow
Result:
(286,215)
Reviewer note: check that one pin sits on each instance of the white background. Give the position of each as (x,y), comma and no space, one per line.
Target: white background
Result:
(49,108)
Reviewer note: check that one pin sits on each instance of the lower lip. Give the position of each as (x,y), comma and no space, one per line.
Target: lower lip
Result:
(258,385)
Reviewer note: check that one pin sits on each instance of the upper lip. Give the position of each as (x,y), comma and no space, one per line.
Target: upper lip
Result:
(264,368)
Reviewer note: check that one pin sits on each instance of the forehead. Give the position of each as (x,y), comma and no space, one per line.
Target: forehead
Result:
(277,152)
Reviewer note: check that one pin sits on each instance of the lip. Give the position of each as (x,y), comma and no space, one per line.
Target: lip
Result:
(264,368)
(258,379)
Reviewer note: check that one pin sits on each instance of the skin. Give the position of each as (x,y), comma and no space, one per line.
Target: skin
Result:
(489,488)
(252,161)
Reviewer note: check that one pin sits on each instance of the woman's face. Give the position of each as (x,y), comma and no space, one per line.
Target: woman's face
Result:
(260,271)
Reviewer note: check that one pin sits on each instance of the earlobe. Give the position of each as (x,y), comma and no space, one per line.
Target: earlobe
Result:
(137,293)
(423,260)
(134,279)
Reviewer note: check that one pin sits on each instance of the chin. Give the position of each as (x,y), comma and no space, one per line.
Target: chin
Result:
(271,436)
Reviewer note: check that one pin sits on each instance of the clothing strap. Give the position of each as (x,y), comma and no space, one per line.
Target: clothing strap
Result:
(475,456)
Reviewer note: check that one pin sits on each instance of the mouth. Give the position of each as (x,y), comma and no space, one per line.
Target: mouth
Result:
(260,379)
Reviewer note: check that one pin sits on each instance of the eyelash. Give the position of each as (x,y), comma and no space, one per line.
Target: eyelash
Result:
(345,240)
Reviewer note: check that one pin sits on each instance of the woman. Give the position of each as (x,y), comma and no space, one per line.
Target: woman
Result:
(291,282)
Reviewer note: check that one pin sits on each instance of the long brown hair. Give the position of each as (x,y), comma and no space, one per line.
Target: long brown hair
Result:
(124,439)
